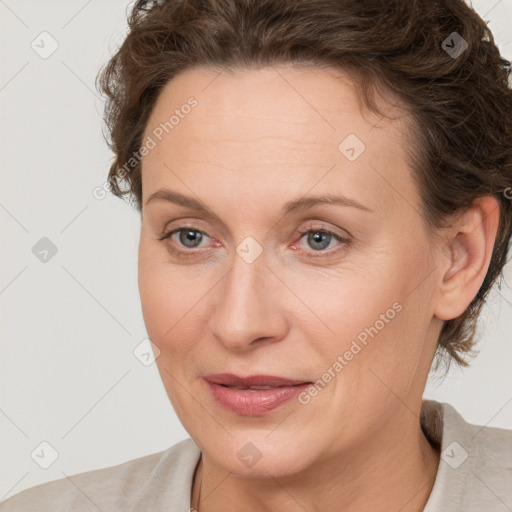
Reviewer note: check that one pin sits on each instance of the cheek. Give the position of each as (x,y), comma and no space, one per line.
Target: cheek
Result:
(154,301)
(344,304)
(168,312)
(160,301)
(171,306)
(369,316)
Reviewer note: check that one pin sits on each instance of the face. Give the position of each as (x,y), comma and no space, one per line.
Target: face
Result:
(336,294)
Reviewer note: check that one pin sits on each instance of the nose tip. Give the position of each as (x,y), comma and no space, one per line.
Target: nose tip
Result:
(242,338)
(247,312)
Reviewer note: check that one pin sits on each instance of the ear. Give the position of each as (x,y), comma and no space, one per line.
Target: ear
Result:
(467,252)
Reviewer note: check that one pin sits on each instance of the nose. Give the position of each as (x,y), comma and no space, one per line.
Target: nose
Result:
(248,311)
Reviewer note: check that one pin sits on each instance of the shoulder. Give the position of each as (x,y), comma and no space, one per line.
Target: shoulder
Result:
(491,446)
(475,470)
(490,466)
(163,475)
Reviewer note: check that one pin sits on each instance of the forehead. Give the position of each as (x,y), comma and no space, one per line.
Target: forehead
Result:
(324,99)
(275,125)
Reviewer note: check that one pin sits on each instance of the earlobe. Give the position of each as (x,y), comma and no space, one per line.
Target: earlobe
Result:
(466,257)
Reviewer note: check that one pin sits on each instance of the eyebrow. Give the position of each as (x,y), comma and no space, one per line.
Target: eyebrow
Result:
(300,204)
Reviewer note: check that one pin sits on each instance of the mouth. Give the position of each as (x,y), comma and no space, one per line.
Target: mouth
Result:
(253,395)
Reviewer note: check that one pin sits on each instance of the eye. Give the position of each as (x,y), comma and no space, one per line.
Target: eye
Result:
(319,238)
(188,237)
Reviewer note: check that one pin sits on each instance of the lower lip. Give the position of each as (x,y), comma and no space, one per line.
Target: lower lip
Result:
(255,402)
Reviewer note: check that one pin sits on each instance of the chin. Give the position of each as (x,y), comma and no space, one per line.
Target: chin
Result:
(257,454)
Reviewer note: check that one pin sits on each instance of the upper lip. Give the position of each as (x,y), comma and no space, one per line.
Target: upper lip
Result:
(229,379)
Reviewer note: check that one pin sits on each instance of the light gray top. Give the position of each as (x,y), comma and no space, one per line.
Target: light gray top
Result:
(474,475)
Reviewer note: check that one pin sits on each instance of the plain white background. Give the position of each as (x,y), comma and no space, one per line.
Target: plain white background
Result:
(70,325)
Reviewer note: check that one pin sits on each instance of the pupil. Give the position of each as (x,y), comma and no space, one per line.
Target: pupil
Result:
(191,236)
(317,238)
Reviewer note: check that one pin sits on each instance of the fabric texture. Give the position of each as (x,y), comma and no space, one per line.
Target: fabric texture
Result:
(474,475)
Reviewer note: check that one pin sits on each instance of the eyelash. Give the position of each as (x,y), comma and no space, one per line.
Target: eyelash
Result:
(302,232)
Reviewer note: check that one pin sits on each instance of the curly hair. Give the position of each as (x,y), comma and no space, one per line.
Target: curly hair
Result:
(438,58)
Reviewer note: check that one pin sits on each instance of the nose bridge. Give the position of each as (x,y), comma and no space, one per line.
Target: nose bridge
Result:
(246,310)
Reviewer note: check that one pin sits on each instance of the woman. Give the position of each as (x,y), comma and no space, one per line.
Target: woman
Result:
(325,198)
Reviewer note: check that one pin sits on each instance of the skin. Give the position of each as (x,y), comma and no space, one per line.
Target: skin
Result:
(257,139)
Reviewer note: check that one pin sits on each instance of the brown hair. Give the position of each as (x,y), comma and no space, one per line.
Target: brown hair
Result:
(459,97)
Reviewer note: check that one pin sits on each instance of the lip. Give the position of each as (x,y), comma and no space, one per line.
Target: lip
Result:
(253,402)
(230,379)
